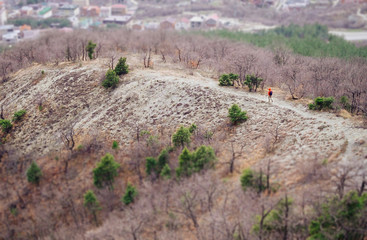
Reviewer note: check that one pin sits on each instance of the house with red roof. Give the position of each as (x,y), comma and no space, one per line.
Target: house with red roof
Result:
(118,9)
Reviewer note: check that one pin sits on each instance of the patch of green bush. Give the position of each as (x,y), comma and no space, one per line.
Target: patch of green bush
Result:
(152,165)
(253,82)
(6,125)
(166,172)
(236,114)
(91,203)
(105,172)
(34,173)
(121,67)
(190,162)
(252,179)
(181,137)
(129,195)
(18,116)
(344,101)
(90,49)
(193,128)
(115,145)
(321,103)
(111,79)
(227,79)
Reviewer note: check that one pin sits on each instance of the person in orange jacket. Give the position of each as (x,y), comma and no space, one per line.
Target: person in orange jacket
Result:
(270,93)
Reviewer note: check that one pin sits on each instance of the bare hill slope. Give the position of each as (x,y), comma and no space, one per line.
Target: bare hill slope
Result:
(159,99)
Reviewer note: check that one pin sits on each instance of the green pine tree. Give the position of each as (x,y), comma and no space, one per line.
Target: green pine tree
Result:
(92,204)
(150,165)
(185,167)
(111,79)
(162,160)
(181,137)
(90,49)
(129,195)
(166,172)
(34,173)
(236,115)
(121,67)
(105,172)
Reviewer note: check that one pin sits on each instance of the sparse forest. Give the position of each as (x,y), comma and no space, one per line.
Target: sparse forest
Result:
(161,135)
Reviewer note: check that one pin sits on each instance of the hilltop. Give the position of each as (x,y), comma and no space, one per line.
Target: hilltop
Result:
(301,143)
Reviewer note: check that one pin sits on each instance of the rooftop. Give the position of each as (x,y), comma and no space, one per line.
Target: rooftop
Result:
(68,7)
(118,6)
(44,10)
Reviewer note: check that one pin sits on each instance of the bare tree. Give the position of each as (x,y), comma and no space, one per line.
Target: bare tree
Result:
(68,138)
(294,79)
(235,154)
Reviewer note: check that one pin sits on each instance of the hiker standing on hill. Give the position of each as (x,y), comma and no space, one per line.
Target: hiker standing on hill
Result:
(270,93)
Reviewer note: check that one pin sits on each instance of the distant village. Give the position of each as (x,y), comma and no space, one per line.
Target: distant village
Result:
(80,14)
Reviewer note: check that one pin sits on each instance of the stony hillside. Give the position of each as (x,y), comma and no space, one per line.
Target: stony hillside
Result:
(160,100)
(71,95)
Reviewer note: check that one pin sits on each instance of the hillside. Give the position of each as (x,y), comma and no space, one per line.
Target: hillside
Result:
(158,100)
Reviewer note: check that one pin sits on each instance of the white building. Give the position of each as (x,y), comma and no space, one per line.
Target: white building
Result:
(11,37)
(105,12)
(45,12)
(197,21)
(3,17)
(68,11)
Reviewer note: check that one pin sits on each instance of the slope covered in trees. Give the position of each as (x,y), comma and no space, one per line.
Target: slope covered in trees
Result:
(308,40)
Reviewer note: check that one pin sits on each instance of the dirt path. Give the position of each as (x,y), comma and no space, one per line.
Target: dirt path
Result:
(336,126)
(339,125)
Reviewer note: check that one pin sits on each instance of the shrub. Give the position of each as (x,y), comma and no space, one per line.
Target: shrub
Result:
(236,115)
(90,49)
(192,128)
(129,195)
(166,172)
(121,67)
(321,103)
(42,72)
(34,173)
(115,145)
(203,158)
(181,137)
(19,115)
(344,101)
(150,165)
(91,203)
(162,160)
(253,82)
(105,172)
(111,80)
(185,163)
(312,106)
(6,125)
(251,179)
(227,79)
(328,102)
